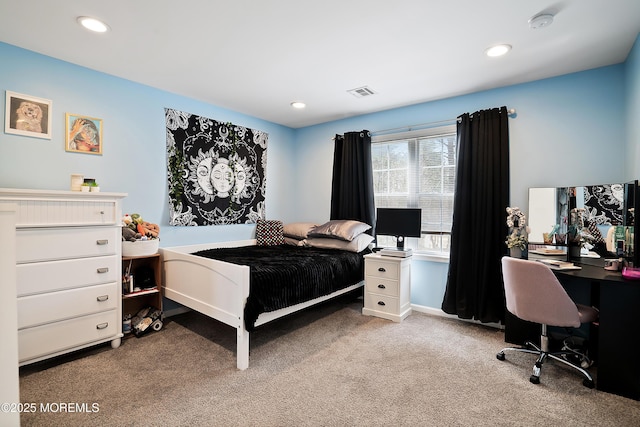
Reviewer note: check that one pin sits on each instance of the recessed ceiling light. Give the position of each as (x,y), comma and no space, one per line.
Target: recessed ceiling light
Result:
(498,50)
(298,104)
(93,24)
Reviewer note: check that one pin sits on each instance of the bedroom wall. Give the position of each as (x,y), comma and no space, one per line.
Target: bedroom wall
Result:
(569,130)
(134,155)
(632,87)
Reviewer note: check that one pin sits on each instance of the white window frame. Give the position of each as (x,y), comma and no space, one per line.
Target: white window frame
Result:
(414,135)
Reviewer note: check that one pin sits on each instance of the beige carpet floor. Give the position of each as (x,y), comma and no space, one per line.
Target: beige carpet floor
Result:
(328,366)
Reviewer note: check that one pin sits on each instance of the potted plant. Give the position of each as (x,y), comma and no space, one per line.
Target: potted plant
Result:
(517,239)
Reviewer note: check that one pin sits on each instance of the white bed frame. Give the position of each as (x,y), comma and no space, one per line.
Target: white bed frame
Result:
(220,289)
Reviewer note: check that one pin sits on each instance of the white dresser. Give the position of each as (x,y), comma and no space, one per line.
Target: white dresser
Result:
(387,289)
(68,269)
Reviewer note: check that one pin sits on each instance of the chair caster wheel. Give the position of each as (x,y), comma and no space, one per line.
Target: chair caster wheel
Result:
(534,379)
(588,383)
(500,356)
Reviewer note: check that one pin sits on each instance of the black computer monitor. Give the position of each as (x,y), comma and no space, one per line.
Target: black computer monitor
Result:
(399,222)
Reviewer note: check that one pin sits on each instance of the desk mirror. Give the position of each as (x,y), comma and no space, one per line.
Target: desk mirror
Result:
(607,208)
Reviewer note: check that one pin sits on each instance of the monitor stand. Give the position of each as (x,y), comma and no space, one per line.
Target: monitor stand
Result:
(399,251)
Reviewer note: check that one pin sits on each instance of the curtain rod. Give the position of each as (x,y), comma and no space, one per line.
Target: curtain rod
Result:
(511,112)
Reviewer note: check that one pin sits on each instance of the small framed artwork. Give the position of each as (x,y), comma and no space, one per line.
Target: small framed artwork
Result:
(83,134)
(27,115)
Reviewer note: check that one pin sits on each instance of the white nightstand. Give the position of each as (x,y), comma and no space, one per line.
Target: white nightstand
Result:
(387,289)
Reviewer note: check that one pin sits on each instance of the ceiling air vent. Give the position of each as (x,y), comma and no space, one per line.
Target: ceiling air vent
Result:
(361,92)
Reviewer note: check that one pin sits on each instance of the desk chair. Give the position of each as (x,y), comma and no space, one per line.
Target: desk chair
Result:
(534,293)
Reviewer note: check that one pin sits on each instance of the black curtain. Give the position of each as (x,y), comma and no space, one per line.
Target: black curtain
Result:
(352,183)
(474,283)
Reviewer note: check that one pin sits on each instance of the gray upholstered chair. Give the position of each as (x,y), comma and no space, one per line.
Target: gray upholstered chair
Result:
(534,293)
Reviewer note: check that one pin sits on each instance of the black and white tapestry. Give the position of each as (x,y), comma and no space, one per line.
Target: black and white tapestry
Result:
(216,171)
(604,203)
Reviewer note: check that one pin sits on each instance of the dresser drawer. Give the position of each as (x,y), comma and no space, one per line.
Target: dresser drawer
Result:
(51,276)
(386,270)
(57,337)
(44,244)
(383,303)
(63,212)
(382,286)
(39,309)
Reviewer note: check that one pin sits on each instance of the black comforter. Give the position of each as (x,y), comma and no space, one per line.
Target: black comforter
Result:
(285,275)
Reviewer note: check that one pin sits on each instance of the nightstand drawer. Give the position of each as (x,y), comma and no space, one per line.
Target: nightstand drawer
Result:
(386,270)
(383,303)
(44,308)
(382,286)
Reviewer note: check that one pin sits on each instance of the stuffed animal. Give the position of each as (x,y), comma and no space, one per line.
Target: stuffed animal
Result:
(130,235)
(135,228)
(151,230)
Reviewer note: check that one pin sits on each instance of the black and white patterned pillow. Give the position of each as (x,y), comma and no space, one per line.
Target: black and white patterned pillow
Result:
(269,232)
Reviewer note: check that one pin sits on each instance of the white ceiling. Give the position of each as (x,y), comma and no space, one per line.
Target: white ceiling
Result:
(256,56)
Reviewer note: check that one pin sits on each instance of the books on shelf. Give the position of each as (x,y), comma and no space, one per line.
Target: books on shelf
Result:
(548,251)
(557,264)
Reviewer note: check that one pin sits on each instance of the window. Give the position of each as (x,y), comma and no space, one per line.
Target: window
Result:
(417,170)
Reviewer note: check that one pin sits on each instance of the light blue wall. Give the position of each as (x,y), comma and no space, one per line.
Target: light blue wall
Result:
(134,154)
(632,88)
(569,130)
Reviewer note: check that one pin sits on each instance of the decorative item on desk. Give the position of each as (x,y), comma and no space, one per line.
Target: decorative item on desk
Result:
(518,237)
(554,237)
(139,237)
(612,264)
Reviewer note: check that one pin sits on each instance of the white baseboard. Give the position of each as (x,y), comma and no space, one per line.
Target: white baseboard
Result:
(438,312)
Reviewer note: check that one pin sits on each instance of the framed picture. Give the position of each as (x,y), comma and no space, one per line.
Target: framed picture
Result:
(27,115)
(83,134)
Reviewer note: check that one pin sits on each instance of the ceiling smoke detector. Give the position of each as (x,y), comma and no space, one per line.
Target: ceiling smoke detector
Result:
(361,92)
(540,21)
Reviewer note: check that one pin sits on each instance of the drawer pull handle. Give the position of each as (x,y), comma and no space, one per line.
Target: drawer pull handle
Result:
(101,212)
(102,298)
(381,286)
(102,242)
(102,325)
(381,303)
(103,270)
(381,269)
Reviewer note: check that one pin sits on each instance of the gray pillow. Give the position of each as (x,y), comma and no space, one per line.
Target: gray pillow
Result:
(343,229)
(298,230)
(358,244)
